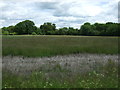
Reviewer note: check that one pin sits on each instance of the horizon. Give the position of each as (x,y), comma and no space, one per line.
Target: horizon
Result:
(69,13)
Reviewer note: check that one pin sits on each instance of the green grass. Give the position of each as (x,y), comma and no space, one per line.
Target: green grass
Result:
(107,77)
(40,46)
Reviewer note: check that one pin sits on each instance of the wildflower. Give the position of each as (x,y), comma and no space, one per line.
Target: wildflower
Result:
(44,86)
(97,74)
(102,75)
(94,72)
(101,85)
(83,81)
(50,84)
(5,86)
(89,74)
(46,82)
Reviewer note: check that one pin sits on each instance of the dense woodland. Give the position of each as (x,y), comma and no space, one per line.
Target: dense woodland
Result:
(28,27)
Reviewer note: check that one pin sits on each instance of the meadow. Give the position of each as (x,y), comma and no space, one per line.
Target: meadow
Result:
(60,61)
(41,46)
(102,76)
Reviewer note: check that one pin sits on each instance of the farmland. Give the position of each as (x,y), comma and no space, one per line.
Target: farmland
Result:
(60,61)
(40,46)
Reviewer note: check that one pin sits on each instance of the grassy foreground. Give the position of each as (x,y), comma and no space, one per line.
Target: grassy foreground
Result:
(40,46)
(107,77)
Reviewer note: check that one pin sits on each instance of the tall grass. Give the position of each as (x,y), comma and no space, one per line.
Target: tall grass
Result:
(40,46)
(107,77)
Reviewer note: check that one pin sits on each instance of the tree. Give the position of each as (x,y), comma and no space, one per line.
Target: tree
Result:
(0,31)
(38,31)
(72,31)
(47,27)
(112,29)
(87,29)
(62,31)
(10,29)
(28,27)
(100,28)
(4,29)
(25,27)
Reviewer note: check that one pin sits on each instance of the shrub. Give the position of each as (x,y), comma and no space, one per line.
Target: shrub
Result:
(33,33)
(5,33)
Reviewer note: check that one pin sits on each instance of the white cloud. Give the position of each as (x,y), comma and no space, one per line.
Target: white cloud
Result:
(61,12)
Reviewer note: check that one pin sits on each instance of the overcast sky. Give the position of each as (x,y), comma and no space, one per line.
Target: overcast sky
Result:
(64,13)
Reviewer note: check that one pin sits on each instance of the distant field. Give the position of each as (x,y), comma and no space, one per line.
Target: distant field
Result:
(40,46)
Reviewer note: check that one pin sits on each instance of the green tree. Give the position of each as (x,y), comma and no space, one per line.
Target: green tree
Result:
(25,27)
(62,31)
(87,29)
(112,29)
(10,29)
(38,31)
(28,27)
(4,29)
(100,29)
(48,27)
(72,31)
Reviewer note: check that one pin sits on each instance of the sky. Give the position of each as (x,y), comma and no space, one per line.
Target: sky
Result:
(64,13)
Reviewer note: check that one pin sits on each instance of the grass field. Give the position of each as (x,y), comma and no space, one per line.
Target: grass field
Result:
(40,46)
(103,76)
(47,55)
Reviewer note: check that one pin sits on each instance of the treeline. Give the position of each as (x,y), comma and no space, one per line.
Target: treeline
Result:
(28,27)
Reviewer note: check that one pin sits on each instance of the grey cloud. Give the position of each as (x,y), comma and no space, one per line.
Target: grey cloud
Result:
(77,21)
(62,10)
(119,9)
(54,12)
(113,10)
(57,8)
(9,22)
(46,5)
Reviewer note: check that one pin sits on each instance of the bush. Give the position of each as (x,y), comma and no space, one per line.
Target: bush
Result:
(5,33)
(33,33)
(14,33)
